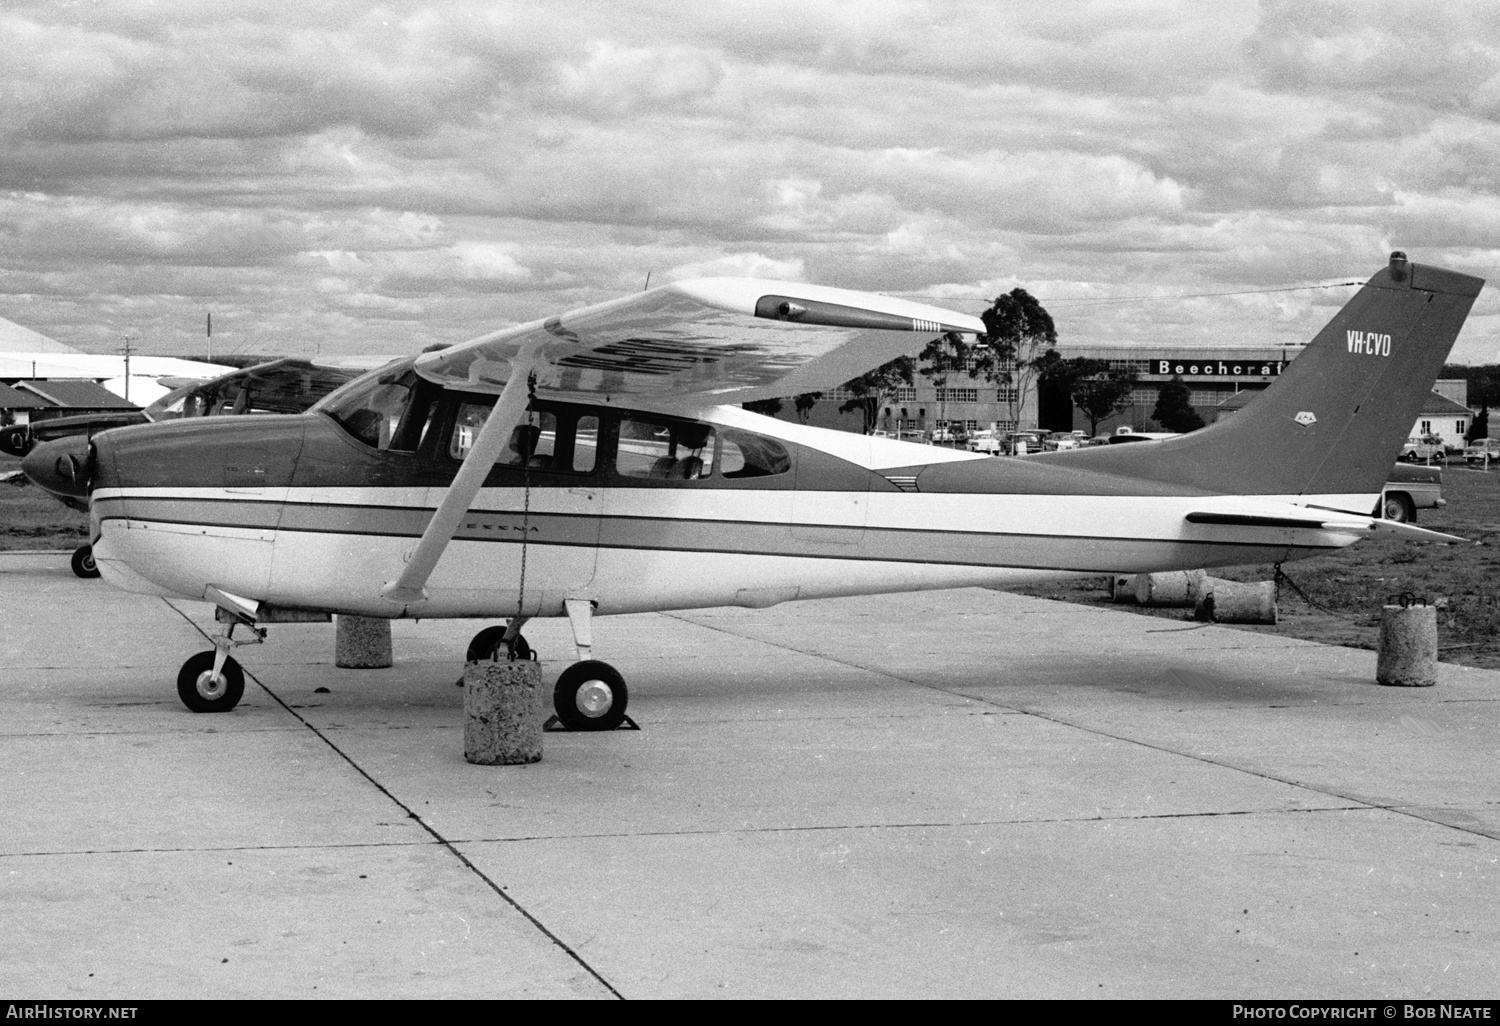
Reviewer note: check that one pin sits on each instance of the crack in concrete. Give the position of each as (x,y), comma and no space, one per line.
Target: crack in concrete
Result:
(720,832)
(415,817)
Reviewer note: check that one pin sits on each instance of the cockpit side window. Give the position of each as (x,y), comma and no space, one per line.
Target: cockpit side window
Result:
(673,450)
(387,413)
(561,439)
(745,455)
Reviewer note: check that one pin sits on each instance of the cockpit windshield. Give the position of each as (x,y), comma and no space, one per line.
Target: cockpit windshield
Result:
(279,386)
(390,408)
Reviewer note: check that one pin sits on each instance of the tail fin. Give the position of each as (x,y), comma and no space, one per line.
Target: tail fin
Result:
(1334,421)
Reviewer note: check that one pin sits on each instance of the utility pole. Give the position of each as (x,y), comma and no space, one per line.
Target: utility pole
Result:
(125,348)
(210,337)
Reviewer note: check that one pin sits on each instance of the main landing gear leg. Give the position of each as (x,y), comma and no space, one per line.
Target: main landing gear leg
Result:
(502,640)
(212,681)
(589,695)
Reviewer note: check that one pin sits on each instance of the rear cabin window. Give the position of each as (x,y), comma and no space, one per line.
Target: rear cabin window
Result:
(554,440)
(743,455)
(669,450)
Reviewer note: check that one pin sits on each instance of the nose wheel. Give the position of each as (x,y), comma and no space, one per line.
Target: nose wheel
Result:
(212,682)
(83,562)
(205,690)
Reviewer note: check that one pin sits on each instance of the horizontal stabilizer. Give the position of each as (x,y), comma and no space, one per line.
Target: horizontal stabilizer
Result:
(1313,523)
(1412,531)
(1254,520)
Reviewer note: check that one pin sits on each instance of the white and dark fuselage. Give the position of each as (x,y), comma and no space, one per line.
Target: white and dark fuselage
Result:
(306,515)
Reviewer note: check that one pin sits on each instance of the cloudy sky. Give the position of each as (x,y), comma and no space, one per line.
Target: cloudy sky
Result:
(345,177)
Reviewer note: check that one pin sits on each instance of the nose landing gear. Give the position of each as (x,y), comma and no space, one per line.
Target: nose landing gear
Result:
(83,562)
(211,681)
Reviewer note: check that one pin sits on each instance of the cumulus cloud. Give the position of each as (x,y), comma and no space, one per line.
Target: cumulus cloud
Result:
(739,265)
(355,177)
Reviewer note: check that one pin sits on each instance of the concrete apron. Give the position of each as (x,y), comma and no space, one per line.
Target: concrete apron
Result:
(956,794)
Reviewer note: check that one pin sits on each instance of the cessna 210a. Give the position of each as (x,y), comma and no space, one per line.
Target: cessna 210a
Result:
(589,464)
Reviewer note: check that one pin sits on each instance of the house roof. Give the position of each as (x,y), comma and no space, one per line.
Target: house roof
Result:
(15,399)
(78,395)
(15,338)
(1442,405)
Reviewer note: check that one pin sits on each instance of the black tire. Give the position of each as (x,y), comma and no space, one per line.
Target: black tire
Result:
(1440,458)
(487,642)
(1398,507)
(197,694)
(590,696)
(83,562)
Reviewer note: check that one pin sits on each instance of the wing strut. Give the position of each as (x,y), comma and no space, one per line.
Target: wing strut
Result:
(411,586)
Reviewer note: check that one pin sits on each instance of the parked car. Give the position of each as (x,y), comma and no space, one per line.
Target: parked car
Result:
(1023,442)
(1424,449)
(1408,490)
(1481,448)
(984,441)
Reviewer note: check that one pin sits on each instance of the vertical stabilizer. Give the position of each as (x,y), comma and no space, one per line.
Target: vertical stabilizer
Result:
(1334,422)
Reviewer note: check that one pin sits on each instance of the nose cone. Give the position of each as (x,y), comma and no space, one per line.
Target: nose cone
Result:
(62,468)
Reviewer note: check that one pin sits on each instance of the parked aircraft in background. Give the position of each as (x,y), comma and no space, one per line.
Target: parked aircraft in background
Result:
(589,464)
(286,385)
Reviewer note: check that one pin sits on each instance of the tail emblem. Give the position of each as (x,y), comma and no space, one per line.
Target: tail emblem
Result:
(1305,418)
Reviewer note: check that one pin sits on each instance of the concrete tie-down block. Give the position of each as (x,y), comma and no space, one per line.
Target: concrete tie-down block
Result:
(1122,587)
(1408,647)
(1220,601)
(361,642)
(503,712)
(1165,589)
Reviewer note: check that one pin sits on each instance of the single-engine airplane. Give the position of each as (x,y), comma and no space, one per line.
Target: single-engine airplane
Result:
(590,464)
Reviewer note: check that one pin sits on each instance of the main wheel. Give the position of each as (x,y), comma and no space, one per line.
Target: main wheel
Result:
(488,642)
(590,696)
(1398,508)
(83,562)
(201,692)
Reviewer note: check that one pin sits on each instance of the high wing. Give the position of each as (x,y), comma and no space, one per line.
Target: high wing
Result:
(706,341)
